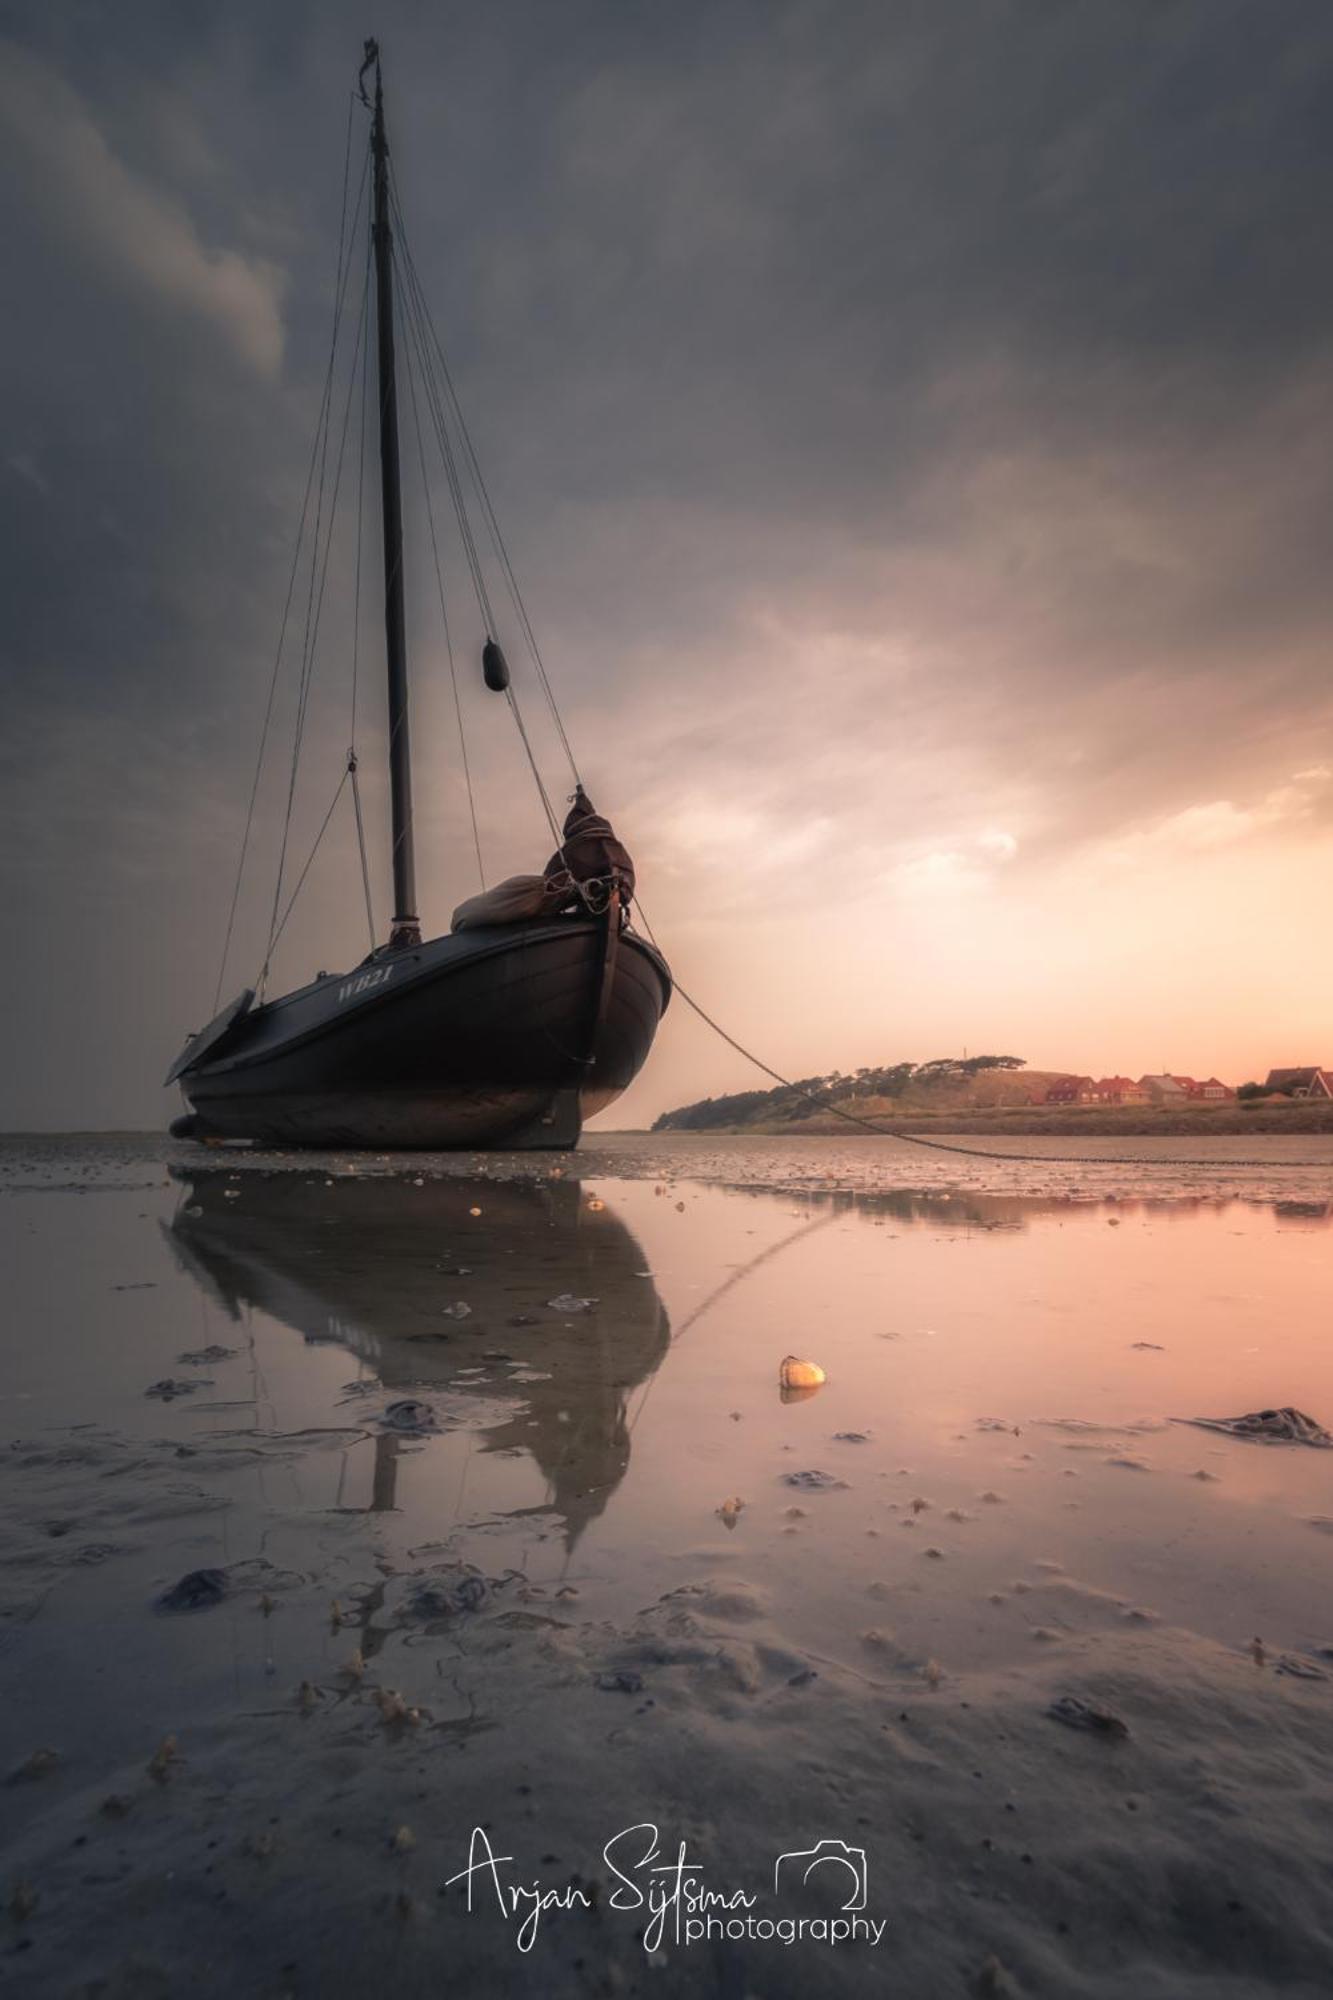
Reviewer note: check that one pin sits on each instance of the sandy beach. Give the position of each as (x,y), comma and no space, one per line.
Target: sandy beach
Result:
(489,1543)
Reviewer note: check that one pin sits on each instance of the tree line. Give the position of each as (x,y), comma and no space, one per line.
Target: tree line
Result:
(790,1102)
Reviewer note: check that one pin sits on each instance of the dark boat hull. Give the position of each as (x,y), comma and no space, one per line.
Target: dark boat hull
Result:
(509,1036)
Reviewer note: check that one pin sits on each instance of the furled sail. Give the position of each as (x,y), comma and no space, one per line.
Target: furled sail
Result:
(588,869)
(590,853)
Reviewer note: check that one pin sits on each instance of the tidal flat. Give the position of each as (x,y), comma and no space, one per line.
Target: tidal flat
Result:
(366,1519)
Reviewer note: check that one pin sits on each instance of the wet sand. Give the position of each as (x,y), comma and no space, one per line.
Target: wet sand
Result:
(539,1611)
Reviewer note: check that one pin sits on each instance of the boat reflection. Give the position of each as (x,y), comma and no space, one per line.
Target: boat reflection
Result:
(382,1266)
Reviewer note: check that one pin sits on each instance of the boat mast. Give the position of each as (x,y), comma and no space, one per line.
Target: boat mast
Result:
(406,929)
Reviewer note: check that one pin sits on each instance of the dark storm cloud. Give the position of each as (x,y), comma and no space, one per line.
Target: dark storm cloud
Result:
(924,403)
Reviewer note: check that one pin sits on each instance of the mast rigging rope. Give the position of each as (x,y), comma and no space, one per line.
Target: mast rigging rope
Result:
(360,519)
(442,403)
(474,465)
(295,565)
(361,846)
(315,600)
(349,771)
(430,390)
(356,628)
(444,619)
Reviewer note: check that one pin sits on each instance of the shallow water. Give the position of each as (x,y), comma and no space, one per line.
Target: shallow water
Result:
(998,1436)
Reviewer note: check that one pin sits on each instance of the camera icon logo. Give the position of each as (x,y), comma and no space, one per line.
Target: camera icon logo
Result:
(832,1856)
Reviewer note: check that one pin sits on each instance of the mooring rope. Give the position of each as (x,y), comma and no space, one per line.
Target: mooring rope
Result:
(946,1146)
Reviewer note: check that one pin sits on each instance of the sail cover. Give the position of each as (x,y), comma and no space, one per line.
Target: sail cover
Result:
(516,900)
(589,852)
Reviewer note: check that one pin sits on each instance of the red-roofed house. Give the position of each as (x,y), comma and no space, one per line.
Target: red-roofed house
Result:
(1119,1090)
(1072,1090)
(1210,1090)
(1178,1090)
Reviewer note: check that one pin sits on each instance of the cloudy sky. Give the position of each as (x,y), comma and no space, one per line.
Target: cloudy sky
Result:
(913,428)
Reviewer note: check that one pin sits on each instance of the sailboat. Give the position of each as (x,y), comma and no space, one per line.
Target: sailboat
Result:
(540,1007)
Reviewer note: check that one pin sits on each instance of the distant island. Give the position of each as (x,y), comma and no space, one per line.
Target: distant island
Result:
(1001,1093)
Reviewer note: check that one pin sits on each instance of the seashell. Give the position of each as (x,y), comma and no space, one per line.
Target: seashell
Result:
(797,1374)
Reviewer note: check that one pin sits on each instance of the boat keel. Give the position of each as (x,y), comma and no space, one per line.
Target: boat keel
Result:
(519,1121)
